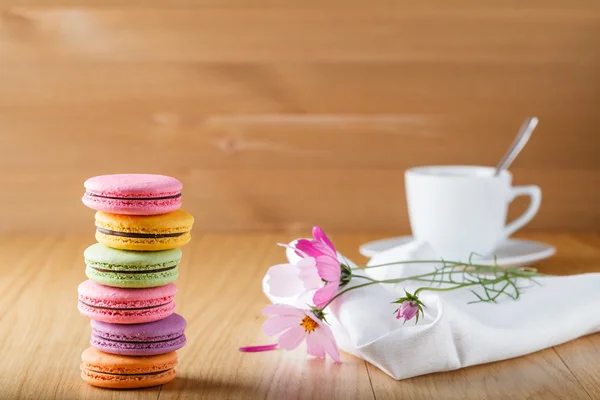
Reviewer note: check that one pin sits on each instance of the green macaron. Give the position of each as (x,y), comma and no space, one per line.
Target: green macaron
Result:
(131,269)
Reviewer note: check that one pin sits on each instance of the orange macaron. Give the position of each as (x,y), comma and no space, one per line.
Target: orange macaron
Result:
(126,372)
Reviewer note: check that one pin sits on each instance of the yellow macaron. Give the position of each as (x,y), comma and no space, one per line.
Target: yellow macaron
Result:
(144,232)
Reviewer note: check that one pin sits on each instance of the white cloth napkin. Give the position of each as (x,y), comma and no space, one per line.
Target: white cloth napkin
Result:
(454,334)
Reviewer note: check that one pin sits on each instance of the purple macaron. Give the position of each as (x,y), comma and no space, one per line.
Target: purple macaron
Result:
(147,339)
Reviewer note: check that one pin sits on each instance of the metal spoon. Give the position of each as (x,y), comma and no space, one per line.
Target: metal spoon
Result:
(520,141)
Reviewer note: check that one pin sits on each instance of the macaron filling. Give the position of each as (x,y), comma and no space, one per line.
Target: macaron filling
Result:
(134,348)
(168,338)
(149,271)
(137,235)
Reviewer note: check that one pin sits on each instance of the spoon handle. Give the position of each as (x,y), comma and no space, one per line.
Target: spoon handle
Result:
(520,141)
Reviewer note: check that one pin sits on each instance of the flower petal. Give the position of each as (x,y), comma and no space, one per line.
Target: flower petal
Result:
(283,280)
(292,338)
(283,309)
(276,325)
(323,249)
(329,268)
(307,247)
(308,274)
(319,235)
(290,247)
(257,349)
(327,340)
(408,310)
(314,347)
(323,295)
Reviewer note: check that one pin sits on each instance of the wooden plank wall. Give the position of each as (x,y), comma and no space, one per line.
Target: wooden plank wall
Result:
(280,114)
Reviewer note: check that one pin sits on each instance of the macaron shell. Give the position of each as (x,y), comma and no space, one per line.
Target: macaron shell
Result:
(127,316)
(133,185)
(132,207)
(109,258)
(123,372)
(110,381)
(143,244)
(114,364)
(137,349)
(106,296)
(174,222)
(166,329)
(133,280)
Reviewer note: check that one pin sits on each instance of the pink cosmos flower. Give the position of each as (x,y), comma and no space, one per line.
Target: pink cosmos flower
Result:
(296,325)
(327,264)
(408,309)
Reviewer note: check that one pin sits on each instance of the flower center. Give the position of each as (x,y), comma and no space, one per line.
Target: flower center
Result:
(309,324)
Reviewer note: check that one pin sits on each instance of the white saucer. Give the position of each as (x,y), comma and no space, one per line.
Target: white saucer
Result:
(513,252)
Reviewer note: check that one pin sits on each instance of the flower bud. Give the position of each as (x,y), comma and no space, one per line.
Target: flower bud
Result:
(408,309)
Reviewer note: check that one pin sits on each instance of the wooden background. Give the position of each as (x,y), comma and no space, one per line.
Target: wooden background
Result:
(278,115)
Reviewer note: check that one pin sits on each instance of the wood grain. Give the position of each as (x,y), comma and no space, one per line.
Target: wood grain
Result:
(246,34)
(336,97)
(537,376)
(42,334)
(578,356)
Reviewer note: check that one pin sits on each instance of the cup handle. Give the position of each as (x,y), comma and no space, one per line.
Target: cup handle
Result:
(536,199)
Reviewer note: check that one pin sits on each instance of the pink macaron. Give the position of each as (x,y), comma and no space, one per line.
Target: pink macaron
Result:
(133,194)
(126,306)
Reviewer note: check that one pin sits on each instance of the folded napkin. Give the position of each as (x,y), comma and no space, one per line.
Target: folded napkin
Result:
(453,334)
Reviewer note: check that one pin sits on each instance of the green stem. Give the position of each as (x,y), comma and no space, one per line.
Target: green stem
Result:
(365,277)
(402,262)
(490,268)
(347,290)
(414,278)
(459,286)
(410,278)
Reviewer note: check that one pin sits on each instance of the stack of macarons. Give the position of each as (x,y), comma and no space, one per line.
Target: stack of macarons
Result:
(130,294)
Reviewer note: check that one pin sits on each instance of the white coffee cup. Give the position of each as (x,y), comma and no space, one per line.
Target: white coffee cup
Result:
(461,210)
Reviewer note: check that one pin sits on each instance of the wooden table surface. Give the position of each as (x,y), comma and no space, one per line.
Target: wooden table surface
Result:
(42,334)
